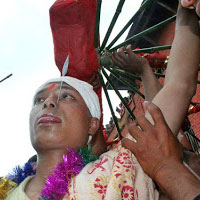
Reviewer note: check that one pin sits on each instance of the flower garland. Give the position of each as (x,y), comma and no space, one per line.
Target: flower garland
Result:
(56,186)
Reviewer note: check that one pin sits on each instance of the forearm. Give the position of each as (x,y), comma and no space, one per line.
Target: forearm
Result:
(180,81)
(178,183)
(184,56)
(151,84)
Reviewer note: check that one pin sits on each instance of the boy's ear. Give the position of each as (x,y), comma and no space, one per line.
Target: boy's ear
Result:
(94,126)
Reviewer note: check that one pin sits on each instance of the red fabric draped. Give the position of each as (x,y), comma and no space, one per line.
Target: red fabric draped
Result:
(73,28)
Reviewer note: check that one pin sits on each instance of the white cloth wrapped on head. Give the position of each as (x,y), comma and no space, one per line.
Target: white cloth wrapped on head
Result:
(84,89)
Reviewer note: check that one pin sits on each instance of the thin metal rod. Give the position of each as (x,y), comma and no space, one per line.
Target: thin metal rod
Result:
(192,141)
(98,13)
(159,75)
(6,78)
(110,105)
(144,5)
(137,77)
(128,74)
(149,30)
(118,94)
(112,24)
(56,108)
(196,138)
(152,49)
(106,61)
(125,82)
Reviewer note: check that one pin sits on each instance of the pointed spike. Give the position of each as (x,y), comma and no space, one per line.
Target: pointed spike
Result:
(65,66)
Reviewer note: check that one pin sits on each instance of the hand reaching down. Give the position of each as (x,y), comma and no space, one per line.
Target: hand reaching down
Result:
(156,146)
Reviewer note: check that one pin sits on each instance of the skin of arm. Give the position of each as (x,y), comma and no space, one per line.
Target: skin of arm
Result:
(136,64)
(160,155)
(157,150)
(181,76)
(180,81)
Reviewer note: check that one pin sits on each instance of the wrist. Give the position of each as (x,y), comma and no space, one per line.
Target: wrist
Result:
(177,181)
(162,171)
(145,70)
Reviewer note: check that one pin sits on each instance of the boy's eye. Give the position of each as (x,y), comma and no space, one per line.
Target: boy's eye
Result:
(67,96)
(39,100)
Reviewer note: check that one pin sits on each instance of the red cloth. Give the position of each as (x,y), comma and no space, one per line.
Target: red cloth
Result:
(73,28)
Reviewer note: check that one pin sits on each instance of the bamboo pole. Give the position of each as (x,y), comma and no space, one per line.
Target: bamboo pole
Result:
(149,30)
(137,77)
(118,94)
(152,49)
(6,78)
(105,59)
(115,17)
(128,74)
(159,75)
(98,13)
(110,105)
(196,138)
(144,5)
(125,82)
(192,141)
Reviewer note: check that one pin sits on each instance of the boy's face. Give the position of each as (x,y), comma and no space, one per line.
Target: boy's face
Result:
(68,128)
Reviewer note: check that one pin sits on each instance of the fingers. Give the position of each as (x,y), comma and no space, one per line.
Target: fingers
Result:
(187,3)
(129,49)
(155,113)
(121,53)
(118,60)
(197,7)
(135,131)
(128,144)
(144,123)
(192,4)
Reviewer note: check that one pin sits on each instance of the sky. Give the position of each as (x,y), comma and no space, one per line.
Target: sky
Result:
(26,51)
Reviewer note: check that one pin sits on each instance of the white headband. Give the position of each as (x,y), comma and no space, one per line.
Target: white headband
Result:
(84,89)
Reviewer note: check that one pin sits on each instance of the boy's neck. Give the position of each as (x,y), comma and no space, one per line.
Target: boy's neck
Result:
(46,165)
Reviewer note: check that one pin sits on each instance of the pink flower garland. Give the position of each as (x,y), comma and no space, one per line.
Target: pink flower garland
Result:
(56,185)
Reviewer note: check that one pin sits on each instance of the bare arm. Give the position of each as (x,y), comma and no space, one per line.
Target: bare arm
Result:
(151,84)
(157,150)
(160,155)
(138,65)
(181,76)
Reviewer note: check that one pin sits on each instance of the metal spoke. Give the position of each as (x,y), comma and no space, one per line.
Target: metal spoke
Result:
(118,94)
(144,5)
(149,30)
(152,49)
(6,78)
(128,74)
(110,105)
(96,37)
(116,15)
(125,82)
